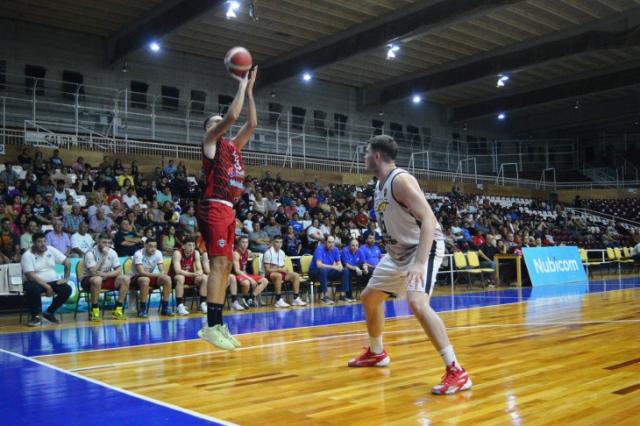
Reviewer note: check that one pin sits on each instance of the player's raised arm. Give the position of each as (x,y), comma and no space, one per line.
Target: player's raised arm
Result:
(407,191)
(248,128)
(215,128)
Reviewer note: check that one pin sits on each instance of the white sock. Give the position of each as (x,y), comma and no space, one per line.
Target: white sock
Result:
(375,344)
(448,356)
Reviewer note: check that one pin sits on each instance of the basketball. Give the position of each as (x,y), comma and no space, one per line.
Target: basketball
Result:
(238,61)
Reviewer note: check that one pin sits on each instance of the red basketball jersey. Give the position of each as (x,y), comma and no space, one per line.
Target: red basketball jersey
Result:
(224,174)
(244,259)
(186,263)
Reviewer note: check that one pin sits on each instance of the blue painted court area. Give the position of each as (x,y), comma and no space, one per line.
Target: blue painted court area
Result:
(57,341)
(34,394)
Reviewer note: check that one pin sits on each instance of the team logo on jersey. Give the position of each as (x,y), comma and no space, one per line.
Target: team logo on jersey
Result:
(221,243)
(382,206)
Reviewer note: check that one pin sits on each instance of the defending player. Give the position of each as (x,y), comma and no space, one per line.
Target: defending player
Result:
(415,244)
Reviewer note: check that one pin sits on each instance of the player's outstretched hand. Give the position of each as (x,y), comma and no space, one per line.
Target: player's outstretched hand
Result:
(252,75)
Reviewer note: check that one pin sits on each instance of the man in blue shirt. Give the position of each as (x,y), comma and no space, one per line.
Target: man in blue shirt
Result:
(354,263)
(372,254)
(325,266)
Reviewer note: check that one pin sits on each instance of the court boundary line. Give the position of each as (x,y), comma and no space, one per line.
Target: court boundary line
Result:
(339,336)
(124,391)
(552,298)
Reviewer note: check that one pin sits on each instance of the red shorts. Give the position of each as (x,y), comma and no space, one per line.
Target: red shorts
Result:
(217,223)
(243,277)
(153,282)
(283,274)
(107,283)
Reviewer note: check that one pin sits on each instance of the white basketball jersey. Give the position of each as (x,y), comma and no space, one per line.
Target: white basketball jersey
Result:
(400,230)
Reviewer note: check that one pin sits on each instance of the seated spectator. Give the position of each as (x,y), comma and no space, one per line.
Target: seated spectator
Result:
(251,285)
(258,239)
(169,213)
(314,235)
(372,230)
(186,270)
(26,239)
(487,252)
(325,266)
(273,261)
(58,238)
(260,204)
(164,196)
(55,160)
(117,211)
(126,242)
(73,219)
(291,243)
(168,241)
(60,193)
(9,244)
(100,223)
(8,176)
(148,271)
(102,271)
(296,223)
(79,167)
(188,220)
(247,224)
(371,252)
(169,170)
(273,229)
(38,266)
(355,265)
(98,205)
(130,199)
(81,241)
(41,211)
(24,159)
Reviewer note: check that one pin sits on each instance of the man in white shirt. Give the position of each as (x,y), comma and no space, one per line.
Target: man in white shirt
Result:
(130,199)
(314,234)
(102,271)
(276,272)
(145,261)
(81,241)
(38,266)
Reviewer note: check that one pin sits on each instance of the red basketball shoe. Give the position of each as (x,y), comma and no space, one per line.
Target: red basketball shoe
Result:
(454,380)
(369,359)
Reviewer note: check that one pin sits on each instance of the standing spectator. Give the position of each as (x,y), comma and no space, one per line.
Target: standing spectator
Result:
(102,271)
(258,239)
(73,220)
(148,271)
(9,243)
(81,241)
(275,271)
(38,266)
(26,239)
(100,223)
(58,238)
(325,266)
(126,242)
(55,160)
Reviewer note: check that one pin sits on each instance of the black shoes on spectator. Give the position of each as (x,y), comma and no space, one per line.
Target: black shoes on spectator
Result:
(50,317)
(35,322)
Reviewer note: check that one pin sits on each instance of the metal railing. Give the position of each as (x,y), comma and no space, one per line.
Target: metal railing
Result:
(251,157)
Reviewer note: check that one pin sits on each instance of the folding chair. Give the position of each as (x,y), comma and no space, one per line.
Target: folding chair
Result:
(461,265)
(586,262)
(305,264)
(474,263)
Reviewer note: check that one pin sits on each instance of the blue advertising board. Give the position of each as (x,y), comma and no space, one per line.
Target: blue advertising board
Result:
(554,265)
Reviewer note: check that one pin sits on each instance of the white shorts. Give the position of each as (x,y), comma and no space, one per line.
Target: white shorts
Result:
(390,277)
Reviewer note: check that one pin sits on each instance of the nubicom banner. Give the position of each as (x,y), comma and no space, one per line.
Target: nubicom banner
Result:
(554,265)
